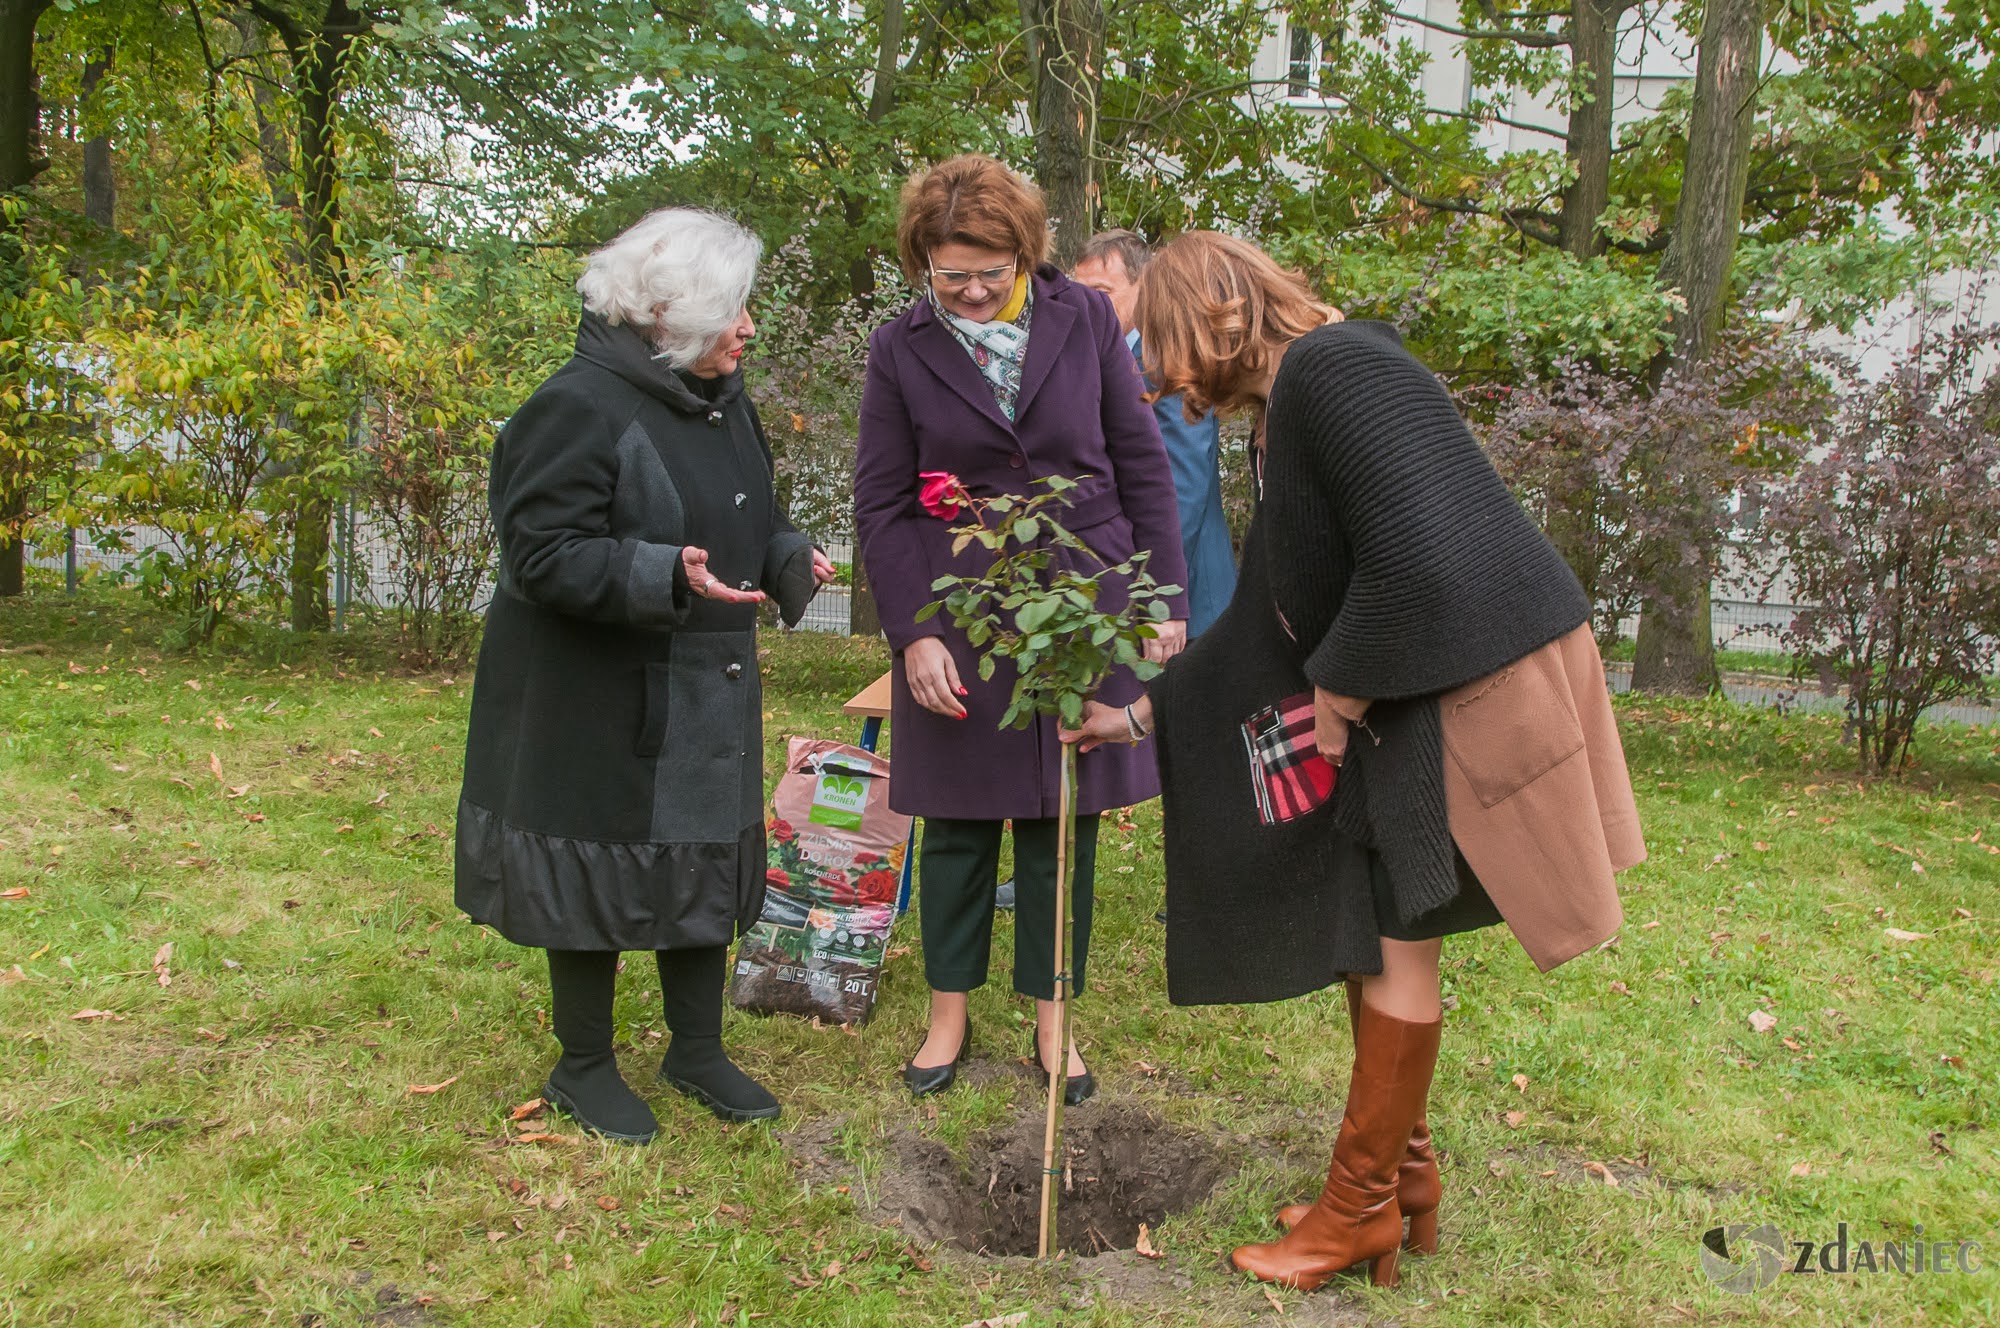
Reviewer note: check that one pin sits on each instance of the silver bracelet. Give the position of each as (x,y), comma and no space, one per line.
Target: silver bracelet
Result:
(1132,726)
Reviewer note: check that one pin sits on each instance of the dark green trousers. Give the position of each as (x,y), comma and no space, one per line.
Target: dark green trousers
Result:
(957,874)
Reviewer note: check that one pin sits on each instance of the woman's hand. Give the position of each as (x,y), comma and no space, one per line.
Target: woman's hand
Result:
(933,677)
(705,583)
(823,570)
(1172,639)
(1103,723)
(1330,727)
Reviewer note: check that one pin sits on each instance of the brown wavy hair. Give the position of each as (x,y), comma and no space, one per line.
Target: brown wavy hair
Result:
(1213,314)
(970,199)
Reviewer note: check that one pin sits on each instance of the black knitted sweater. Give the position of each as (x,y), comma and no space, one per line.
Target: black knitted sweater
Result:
(1404,568)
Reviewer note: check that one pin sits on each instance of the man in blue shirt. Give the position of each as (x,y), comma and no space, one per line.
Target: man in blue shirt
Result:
(1111,263)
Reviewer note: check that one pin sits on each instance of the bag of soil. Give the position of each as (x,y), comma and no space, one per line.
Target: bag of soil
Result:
(836,860)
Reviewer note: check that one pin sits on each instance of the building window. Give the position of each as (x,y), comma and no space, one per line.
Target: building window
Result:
(1314,48)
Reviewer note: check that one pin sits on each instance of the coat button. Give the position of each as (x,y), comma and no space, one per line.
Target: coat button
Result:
(715,419)
(733,671)
(742,498)
(1017,461)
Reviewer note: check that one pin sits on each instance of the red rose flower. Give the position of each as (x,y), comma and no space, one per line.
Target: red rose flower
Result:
(782,832)
(777,878)
(942,495)
(876,887)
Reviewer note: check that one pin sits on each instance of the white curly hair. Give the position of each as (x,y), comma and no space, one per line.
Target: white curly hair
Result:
(679,278)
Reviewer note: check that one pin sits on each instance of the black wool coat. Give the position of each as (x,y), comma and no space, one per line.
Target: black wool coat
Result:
(613,775)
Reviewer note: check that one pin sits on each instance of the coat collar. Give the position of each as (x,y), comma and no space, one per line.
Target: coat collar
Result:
(1054,319)
(625,353)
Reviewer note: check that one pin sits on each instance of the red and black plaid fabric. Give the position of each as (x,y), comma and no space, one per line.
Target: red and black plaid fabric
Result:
(1287,774)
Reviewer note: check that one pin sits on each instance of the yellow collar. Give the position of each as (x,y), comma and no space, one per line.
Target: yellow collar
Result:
(1016,302)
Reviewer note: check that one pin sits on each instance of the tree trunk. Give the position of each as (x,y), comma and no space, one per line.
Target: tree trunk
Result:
(320,64)
(20,106)
(1593,52)
(100,185)
(863,619)
(20,162)
(1676,649)
(1716,173)
(1675,653)
(1066,43)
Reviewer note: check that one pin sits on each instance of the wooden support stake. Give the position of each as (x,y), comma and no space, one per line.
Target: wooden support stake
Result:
(1059,1072)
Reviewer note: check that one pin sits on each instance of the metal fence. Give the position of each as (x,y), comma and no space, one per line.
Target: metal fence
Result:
(364,573)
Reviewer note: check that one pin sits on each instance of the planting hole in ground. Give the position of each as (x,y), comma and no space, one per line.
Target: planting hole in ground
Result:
(1123,1166)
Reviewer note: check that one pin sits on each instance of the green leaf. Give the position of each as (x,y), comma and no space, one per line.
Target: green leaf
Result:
(1035,614)
(930,610)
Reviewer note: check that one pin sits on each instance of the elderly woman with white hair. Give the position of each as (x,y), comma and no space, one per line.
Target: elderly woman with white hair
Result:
(614,786)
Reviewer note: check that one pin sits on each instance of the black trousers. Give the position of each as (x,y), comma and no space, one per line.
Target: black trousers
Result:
(957,874)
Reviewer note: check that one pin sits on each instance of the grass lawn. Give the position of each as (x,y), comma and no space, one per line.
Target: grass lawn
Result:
(228,955)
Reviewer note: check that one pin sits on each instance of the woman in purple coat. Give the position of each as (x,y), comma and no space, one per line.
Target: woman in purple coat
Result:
(1002,373)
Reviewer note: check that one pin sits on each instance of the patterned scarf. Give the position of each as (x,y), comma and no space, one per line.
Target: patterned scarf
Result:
(999,348)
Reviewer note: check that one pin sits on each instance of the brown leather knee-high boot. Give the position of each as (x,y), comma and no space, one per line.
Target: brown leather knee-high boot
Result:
(1356,1219)
(1418,1188)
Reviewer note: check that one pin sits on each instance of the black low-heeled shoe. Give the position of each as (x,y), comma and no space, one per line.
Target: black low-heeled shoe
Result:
(925,1080)
(1077,1088)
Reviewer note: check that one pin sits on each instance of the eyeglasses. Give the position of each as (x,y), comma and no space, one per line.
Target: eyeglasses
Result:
(947,279)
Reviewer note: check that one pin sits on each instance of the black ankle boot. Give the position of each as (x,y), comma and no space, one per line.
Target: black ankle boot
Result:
(585,1084)
(695,1063)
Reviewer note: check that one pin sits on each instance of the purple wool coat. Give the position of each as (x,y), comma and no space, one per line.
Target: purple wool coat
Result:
(1080,414)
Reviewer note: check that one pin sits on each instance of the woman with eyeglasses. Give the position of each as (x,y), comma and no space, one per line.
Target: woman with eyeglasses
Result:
(1002,372)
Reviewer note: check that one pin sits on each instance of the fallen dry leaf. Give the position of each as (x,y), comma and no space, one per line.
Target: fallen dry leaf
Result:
(540,1137)
(1763,1020)
(1000,1321)
(254,817)
(98,1014)
(1802,1168)
(1965,913)
(14,892)
(1276,1304)
(374,733)
(532,1107)
(1602,1172)
(1144,1248)
(1516,1119)
(1621,989)
(608,1202)
(1898,934)
(918,1259)
(433,1088)
(215,767)
(1521,1082)
(13,975)
(160,970)
(212,1035)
